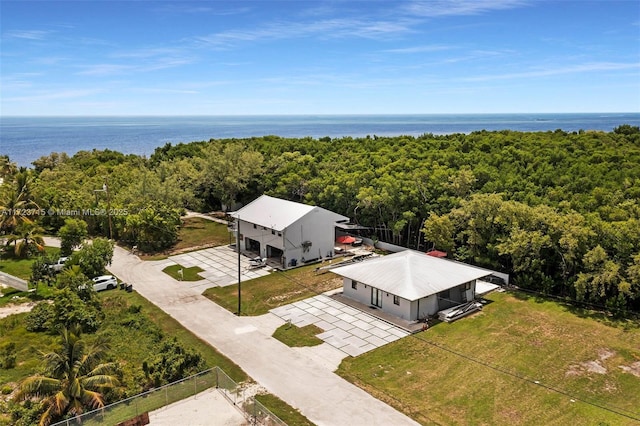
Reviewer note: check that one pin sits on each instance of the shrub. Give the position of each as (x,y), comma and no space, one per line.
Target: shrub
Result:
(173,362)
(39,318)
(8,355)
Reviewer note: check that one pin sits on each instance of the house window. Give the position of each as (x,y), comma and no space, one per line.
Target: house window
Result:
(354,284)
(279,234)
(396,300)
(255,226)
(273,232)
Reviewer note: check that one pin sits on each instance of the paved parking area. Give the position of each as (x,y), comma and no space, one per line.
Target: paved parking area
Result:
(220,266)
(348,329)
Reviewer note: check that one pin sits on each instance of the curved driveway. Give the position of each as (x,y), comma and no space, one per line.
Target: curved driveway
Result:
(305,382)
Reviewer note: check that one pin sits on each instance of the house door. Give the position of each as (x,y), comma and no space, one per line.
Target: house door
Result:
(376,297)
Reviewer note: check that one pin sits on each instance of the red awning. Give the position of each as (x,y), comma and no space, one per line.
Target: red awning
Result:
(437,253)
(345,239)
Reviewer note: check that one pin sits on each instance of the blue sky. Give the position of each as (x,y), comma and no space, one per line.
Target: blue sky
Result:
(311,57)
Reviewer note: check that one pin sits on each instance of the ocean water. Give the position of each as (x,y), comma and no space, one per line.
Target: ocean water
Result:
(25,139)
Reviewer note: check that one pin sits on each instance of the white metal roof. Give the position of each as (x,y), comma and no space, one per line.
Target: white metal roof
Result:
(411,274)
(276,213)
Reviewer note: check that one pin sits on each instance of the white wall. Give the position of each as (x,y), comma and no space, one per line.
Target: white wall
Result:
(363,295)
(263,236)
(317,226)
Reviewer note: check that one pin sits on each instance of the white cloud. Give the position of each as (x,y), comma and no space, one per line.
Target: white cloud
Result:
(436,8)
(326,29)
(575,69)
(421,49)
(28,34)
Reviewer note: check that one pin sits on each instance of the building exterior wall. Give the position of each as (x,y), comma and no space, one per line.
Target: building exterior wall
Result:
(264,236)
(424,307)
(407,310)
(362,294)
(316,227)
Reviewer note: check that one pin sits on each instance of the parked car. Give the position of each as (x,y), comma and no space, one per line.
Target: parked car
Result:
(59,265)
(105,282)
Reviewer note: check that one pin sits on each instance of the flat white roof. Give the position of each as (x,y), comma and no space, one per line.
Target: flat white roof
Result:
(411,274)
(276,213)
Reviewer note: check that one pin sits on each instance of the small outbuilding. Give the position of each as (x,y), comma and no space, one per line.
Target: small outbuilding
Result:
(286,232)
(409,284)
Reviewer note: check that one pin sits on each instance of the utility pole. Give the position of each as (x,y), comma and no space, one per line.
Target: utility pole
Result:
(239,271)
(106,189)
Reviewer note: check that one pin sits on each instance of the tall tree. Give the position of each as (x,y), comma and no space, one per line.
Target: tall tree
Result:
(229,170)
(72,234)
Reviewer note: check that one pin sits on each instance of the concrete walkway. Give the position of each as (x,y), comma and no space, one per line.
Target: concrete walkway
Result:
(303,381)
(350,330)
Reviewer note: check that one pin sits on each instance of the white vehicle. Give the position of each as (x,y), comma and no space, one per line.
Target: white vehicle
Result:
(104,282)
(59,265)
(257,262)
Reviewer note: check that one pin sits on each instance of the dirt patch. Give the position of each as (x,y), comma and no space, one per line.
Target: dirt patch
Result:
(633,368)
(5,311)
(605,353)
(594,366)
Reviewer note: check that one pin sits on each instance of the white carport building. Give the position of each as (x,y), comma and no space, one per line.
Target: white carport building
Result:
(286,232)
(410,285)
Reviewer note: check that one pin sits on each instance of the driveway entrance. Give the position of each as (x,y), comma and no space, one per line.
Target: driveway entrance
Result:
(220,266)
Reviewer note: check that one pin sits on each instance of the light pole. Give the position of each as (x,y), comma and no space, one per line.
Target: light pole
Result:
(105,189)
(239,270)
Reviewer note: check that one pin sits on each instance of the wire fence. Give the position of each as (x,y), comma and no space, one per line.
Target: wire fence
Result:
(141,404)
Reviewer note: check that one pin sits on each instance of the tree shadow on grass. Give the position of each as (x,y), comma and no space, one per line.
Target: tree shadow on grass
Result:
(628,322)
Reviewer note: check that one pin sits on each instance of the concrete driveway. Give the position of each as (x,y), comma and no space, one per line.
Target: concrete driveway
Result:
(220,266)
(299,377)
(352,331)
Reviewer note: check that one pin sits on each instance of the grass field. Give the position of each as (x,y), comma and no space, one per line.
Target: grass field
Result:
(483,369)
(285,412)
(276,289)
(19,267)
(296,337)
(188,274)
(135,328)
(195,233)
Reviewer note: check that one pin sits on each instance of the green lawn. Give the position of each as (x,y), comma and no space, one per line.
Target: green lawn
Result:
(284,411)
(188,274)
(195,233)
(482,369)
(19,267)
(276,289)
(294,336)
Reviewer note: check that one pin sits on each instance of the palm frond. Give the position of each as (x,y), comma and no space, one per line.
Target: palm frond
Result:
(37,386)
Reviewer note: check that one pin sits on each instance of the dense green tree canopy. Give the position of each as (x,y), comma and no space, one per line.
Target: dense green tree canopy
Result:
(530,203)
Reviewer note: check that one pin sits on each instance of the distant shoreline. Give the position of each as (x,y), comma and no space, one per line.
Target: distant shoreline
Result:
(27,138)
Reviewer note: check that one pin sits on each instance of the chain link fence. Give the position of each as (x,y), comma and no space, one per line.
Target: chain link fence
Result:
(154,399)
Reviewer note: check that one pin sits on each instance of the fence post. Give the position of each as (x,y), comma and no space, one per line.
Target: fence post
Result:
(255,409)
(166,395)
(195,387)
(217,379)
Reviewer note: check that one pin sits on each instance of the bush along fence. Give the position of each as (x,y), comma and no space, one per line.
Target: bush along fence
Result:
(141,404)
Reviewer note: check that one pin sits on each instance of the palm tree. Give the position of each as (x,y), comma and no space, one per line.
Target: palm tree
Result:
(15,206)
(28,236)
(73,380)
